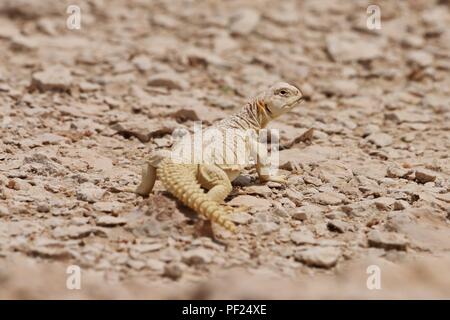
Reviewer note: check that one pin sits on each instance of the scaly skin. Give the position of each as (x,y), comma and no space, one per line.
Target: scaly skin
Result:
(187,179)
(180,180)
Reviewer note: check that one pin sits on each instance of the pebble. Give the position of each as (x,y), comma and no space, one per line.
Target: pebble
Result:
(240,217)
(259,190)
(244,21)
(173,270)
(280,211)
(424,175)
(167,80)
(321,257)
(136,264)
(250,201)
(197,256)
(328,198)
(302,237)
(53,78)
(299,214)
(108,221)
(295,196)
(338,226)
(73,232)
(343,47)
(108,206)
(387,240)
(4,211)
(43,208)
(380,139)
(384,203)
(420,58)
(89,192)
(264,228)
(156,265)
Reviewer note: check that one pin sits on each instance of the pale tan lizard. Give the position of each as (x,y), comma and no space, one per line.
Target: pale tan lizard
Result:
(186,178)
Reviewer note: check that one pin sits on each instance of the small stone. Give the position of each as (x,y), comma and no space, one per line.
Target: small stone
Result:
(280,211)
(224,43)
(197,256)
(108,206)
(173,270)
(397,221)
(322,257)
(263,228)
(4,211)
(136,264)
(409,137)
(144,248)
(338,226)
(167,80)
(302,237)
(295,196)
(420,58)
(313,180)
(143,63)
(342,88)
(328,198)
(53,78)
(88,86)
(240,217)
(401,205)
(424,176)
(49,253)
(299,214)
(108,221)
(380,139)
(156,265)
(384,203)
(397,172)
(259,190)
(250,201)
(244,21)
(73,232)
(387,240)
(43,208)
(22,43)
(89,193)
(443,197)
(404,116)
(348,46)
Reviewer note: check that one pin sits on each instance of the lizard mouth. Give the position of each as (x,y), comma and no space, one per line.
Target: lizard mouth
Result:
(295,102)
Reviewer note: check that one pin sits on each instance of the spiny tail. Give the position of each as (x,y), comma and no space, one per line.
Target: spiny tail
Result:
(180,180)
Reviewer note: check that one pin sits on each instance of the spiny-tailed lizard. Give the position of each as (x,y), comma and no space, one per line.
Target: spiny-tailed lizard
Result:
(186,180)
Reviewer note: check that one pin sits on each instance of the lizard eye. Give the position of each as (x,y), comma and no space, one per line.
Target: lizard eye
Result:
(282,92)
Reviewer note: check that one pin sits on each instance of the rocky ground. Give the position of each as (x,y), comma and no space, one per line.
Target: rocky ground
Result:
(81,109)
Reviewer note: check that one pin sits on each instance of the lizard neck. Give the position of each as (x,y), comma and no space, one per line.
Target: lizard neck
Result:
(252,116)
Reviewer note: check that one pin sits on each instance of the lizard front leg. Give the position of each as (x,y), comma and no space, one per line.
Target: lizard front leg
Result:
(263,165)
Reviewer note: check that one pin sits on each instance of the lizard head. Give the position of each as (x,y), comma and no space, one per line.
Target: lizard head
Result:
(279,99)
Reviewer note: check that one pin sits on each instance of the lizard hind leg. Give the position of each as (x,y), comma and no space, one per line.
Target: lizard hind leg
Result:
(148,180)
(215,180)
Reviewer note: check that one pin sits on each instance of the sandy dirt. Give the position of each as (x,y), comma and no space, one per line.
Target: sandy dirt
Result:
(81,109)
